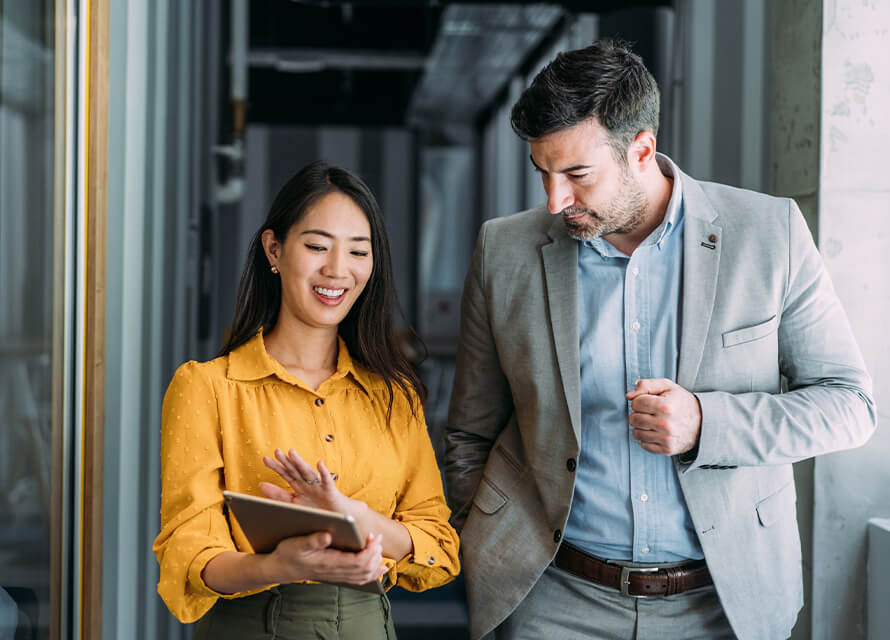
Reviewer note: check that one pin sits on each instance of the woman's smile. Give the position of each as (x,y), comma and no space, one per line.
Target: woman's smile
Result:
(330,297)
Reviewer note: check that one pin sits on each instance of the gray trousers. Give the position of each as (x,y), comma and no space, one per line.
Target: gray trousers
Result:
(562,605)
(299,612)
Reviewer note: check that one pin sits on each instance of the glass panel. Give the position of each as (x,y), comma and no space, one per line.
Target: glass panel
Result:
(26,313)
(446,233)
(446,236)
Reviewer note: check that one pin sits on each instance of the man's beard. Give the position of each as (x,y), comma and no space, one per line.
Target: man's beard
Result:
(626,212)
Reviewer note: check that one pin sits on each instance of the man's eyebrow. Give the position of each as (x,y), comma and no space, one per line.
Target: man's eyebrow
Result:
(573,168)
(327,234)
(576,167)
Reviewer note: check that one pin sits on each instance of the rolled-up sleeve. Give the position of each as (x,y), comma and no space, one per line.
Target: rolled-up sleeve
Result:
(194,528)
(421,508)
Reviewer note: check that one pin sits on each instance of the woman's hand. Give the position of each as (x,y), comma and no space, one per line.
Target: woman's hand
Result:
(295,559)
(310,488)
(311,558)
(313,488)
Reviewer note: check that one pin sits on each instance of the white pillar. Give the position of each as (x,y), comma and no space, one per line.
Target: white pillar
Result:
(854,238)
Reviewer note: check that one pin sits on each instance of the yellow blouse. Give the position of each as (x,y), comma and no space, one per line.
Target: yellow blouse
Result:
(221,417)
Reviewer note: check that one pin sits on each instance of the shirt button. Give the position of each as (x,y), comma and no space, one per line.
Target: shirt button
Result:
(644,497)
(557,535)
(319,402)
(334,476)
(570,464)
(431,560)
(635,271)
(329,438)
(645,549)
(636,325)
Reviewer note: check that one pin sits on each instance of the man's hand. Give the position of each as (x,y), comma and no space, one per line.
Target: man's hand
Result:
(666,417)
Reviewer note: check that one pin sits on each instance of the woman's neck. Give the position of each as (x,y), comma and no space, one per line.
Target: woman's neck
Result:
(308,353)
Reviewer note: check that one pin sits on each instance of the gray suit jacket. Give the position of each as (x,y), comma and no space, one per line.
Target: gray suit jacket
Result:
(756,304)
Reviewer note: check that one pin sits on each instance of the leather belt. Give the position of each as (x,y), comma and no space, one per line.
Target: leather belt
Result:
(636,582)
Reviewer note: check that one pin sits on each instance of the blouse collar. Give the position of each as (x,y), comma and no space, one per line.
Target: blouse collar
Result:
(251,361)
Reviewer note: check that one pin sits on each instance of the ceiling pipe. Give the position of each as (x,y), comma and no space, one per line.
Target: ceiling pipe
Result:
(240,29)
(306,60)
(232,189)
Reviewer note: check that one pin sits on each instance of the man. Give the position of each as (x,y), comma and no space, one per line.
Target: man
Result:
(619,448)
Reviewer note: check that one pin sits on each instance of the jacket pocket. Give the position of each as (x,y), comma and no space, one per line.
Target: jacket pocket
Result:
(509,458)
(488,498)
(776,506)
(749,334)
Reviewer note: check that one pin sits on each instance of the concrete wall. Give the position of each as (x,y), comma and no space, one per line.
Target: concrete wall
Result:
(854,237)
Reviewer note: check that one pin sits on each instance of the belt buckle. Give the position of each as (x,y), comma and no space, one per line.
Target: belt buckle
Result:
(624,583)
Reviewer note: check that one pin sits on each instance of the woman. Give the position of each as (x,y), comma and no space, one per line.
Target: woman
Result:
(310,372)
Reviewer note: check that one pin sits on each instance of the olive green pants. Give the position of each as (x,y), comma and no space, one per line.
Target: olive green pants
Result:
(299,612)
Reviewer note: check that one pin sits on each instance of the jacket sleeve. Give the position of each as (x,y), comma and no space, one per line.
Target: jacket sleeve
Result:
(420,507)
(828,406)
(481,403)
(193,527)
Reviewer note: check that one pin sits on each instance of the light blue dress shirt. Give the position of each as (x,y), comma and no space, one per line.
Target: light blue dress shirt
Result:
(627,503)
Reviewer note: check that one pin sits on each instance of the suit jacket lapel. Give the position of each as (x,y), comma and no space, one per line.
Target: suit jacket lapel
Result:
(702,240)
(561,272)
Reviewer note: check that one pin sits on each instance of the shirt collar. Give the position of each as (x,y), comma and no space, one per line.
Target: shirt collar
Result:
(672,214)
(251,361)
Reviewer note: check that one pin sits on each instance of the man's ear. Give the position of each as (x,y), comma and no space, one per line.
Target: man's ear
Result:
(642,150)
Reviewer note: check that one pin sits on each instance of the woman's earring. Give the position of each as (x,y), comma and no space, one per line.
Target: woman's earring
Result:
(274,269)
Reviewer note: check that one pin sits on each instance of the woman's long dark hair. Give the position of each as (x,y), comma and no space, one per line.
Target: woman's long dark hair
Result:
(367,328)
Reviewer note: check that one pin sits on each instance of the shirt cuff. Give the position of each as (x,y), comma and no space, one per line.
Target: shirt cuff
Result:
(426,554)
(427,551)
(429,565)
(705,454)
(689,456)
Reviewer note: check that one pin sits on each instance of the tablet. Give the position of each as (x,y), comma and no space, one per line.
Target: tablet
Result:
(267,522)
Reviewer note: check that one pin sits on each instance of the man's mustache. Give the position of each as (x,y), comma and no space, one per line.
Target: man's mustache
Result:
(574,211)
